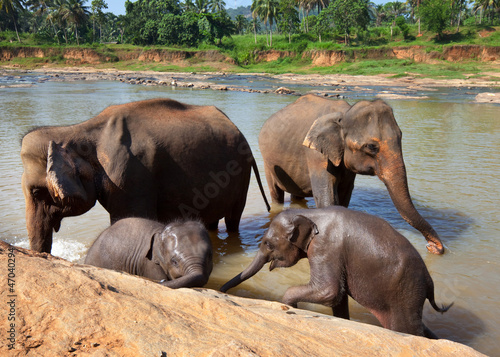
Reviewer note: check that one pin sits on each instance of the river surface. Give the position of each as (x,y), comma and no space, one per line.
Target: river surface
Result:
(451,148)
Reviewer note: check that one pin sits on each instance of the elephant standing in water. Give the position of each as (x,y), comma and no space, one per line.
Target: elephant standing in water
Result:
(157,159)
(316,146)
(353,254)
(178,254)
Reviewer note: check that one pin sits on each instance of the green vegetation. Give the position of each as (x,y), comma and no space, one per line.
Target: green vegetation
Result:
(297,26)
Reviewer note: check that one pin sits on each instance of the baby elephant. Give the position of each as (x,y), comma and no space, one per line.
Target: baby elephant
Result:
(350,253)
(179,253)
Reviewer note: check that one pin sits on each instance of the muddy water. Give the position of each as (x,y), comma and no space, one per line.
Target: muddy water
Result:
(451,151)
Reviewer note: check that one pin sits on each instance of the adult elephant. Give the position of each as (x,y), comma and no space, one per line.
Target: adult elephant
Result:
(316,146)
(158,159)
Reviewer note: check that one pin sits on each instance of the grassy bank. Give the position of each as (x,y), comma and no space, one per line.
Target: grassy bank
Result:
(244,50)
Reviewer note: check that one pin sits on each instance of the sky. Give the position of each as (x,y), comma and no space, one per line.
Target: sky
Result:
(117,7)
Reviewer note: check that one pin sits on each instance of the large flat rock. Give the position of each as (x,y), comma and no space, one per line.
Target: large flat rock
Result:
(62,308)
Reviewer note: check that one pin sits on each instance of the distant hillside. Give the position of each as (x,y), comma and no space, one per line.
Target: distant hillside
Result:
(241,10)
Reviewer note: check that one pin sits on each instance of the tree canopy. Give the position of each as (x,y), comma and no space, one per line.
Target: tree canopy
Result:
(192,22)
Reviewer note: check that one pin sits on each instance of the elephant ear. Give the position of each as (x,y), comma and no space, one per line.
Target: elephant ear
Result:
(63,179)
(303,232)
(114,149)
(150,253)
(325,136)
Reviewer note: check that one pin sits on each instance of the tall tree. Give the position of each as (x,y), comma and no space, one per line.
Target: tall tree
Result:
(241,23)
(484,6)
(435,15)
(58,11)
(76,14)
(97,16)
(289,22)
(395,9)
(267,10)
(349,13)
(13,7)
(217,5)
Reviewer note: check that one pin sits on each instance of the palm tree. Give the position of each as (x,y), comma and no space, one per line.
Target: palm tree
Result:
(241,22)
(377,12)
(217,5)
(305,6)
(267,10)
(202,6)
(76,13)
(395,9)
(484,5)
(57,14)
(12,7)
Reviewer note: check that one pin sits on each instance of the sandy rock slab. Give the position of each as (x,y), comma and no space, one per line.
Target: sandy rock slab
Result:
(488,98)
(66,309)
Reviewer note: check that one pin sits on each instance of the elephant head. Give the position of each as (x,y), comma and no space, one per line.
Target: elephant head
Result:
(367,140)
(57,182)
(184,252)
(284,244)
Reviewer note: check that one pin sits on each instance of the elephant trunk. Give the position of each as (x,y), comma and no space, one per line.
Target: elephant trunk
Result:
(40,228)
(258,262)
(192,280)
(394,177)
(195,275)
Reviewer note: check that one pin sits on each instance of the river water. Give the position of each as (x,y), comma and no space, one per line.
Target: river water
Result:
(451,148)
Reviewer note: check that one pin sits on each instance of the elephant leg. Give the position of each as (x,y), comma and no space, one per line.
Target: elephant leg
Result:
(233,219)
(277,194)
(324,189)
(342,308)
(323,177)
(328,295)
(346,185)
(213,226)
(429,334)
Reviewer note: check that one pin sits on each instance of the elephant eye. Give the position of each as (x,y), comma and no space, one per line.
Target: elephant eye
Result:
(38,192)
(371,149)
(174,261)
(269,245)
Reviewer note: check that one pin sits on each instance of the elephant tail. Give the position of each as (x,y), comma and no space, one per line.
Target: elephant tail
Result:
(257,176)
(430,297)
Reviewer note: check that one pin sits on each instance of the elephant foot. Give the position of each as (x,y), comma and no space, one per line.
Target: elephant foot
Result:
(435,248)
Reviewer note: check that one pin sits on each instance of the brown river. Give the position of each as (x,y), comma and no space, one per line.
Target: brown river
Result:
(451,148)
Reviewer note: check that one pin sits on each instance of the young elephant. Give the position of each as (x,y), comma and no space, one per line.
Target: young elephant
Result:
(179,253)
(350,253)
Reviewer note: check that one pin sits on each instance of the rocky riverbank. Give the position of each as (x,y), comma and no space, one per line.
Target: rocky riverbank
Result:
(334,85)
(60,308)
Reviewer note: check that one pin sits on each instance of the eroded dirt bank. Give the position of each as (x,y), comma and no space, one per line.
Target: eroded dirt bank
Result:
(318,57)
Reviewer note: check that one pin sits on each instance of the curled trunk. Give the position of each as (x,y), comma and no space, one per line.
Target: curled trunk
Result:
(192,280)
(396,182)
(258,262)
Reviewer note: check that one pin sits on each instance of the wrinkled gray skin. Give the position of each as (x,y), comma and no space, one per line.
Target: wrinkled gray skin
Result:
(350,254)
(316,146)
(158,159)
(179,253)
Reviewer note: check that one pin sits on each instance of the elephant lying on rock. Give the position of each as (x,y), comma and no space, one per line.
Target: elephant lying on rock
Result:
(178,254)
(157,159)
(316,146)
(350,254)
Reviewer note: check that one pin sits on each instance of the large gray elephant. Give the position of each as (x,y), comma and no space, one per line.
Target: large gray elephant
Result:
(353,254)
(178,254)
(316,146)
(157,159)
